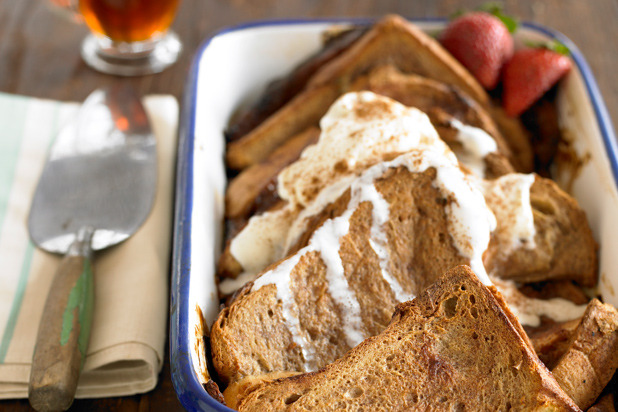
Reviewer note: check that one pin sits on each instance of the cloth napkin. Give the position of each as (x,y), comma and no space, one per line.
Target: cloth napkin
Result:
(131,280)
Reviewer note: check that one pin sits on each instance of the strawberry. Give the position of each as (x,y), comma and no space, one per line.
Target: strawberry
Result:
(482,43)
(528,75)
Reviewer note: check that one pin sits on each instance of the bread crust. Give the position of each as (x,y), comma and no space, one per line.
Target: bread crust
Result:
(564,245)
(592,356)
(442,103)
(454,346)
(393,40)
(245,191)
(250,337)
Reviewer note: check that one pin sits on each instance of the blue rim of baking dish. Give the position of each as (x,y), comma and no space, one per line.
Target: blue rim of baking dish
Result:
(188,388)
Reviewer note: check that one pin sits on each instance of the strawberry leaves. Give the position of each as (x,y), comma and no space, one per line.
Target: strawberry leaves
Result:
(554,45)
(495,9)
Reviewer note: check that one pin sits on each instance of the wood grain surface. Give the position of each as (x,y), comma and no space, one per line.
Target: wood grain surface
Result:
(39,56)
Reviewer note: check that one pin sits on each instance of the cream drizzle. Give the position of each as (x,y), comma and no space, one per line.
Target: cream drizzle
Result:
(356,132)
(280,277)
(379,242)
(470,225)
(509,198)
(529,310)
(313,181)
(261,241)
(477,144)
(327,241)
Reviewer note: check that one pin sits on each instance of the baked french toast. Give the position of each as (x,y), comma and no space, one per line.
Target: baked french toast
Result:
(391,40)
(456,346)
(442,103)
(388,168)
(312,319)
(392,233)
(591,358)
(254,189)
(562,246)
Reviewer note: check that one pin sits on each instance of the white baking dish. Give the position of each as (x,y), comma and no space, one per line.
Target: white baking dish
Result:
(231,69)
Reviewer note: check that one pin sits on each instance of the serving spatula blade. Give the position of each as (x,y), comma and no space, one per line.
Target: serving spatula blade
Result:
(101,173)
(96,189)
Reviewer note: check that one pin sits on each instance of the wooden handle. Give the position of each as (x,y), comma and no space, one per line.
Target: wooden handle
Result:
(63,335)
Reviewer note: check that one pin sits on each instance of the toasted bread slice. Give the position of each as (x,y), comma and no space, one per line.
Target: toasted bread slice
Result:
(396,41)
(564,247)
(253,183)
(300,113)
(391,40)
(282,90)
(517,137)
(442,103)
(592,357)
(552,340)
(258,334)
(455,347)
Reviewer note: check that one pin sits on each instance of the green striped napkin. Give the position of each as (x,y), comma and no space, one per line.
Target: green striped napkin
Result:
(130,316)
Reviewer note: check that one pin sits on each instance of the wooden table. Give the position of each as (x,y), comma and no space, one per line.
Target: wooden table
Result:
(39,56)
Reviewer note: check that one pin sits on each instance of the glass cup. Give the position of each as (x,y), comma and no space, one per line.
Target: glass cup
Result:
(128,37)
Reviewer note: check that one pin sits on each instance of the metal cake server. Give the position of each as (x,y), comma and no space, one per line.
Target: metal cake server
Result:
(96,189)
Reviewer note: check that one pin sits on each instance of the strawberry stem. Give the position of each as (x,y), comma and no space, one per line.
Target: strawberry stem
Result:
(495,8)
(555,45)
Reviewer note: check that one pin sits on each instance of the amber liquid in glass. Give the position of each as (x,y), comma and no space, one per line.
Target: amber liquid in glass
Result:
(128,20)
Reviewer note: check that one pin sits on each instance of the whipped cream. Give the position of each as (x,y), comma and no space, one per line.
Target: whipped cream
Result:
(477,144)
(280,278)
(529,310)
(360,129)
(261,241)
(509,198)
(470,225)
(357,131)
